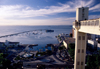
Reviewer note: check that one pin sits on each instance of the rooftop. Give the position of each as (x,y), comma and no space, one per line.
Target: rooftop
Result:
(1,42)
(13,42)
(70,40)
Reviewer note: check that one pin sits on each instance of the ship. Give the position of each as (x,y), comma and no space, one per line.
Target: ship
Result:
(49,30)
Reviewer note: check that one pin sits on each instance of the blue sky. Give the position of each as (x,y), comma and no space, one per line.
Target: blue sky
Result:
(44,12)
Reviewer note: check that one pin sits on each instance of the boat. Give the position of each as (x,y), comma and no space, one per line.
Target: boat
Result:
(49,30)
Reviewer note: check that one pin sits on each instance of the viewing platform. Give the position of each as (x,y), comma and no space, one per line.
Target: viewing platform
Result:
(91,26)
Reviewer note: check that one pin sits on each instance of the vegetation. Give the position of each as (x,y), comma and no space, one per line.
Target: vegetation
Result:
(48,52)
(61,47)
(17,58)
(4,63)
(40,66)
(71,35)
(41,53)
(17,65)
(93,61)
(71,49)
(89,47)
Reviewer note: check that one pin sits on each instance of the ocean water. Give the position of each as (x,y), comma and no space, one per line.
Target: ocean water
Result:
(41,37)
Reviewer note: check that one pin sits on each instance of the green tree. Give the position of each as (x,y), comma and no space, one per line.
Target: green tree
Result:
(70,34)
(71,49)
(60,48)
(1,58)
(4,62)
(71,46)
(17,58)
(93,61)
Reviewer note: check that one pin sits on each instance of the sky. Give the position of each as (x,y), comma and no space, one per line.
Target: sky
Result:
(44,12)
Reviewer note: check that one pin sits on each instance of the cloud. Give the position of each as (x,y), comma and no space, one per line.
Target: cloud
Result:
(95,8)
(53,21)
(7,12)
(94,16)
(24,11)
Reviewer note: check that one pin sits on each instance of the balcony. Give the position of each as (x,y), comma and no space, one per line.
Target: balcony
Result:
(88,26)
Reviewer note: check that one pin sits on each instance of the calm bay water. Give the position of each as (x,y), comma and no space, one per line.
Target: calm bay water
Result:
(41,38)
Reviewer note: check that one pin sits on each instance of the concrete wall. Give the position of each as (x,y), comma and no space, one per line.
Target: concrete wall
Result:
(80,50)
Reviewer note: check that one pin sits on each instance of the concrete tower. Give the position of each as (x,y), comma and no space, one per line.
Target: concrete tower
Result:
(82,13)
(80,39)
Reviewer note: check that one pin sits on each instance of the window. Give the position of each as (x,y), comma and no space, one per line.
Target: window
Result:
(78,50)
(79,37)
(83,37)
(81,63)
(82,50)
(78,63)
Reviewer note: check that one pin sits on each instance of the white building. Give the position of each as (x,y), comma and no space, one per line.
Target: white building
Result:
(8,43)
(68,41)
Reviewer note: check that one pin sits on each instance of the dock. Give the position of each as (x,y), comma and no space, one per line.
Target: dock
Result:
(21,33)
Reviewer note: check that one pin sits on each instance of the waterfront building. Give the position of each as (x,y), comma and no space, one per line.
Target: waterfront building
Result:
(8,43)
(68,41)
(2,44)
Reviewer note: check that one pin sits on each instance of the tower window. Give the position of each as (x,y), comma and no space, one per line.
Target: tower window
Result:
(82,50)
(79,37)
(78,63)
(81,63)
(78,50)
(83,9)
(83,37)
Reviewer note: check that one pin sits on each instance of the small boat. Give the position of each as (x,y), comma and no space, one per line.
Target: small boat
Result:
(49,30)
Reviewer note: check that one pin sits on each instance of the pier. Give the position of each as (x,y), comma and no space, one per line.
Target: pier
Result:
(21,33)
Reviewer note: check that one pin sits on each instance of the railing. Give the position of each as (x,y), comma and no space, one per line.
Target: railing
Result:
(90,22)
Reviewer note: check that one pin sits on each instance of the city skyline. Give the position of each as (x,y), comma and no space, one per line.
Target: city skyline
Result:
(44,12)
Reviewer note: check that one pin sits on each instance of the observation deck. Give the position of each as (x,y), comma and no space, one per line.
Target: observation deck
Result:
(91,26)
